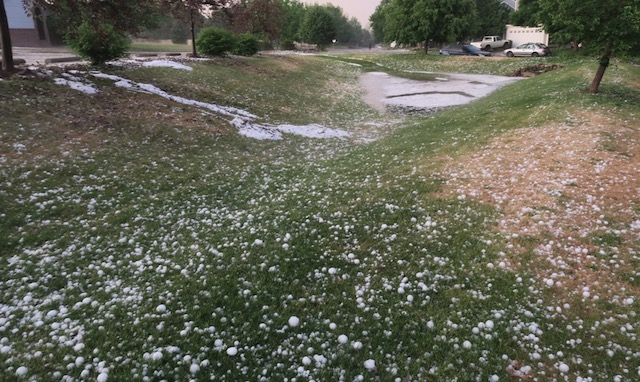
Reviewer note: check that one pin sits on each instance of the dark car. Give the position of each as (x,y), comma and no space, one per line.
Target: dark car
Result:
(463,50)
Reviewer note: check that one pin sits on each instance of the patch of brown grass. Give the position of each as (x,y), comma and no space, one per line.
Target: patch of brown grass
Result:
(56,119)
(568,193)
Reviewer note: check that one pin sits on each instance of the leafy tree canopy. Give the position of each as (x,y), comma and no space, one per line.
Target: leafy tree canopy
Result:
(258,17)
(127,17)
(527,15)
(318,26)
(411,21)
(292,21)
(605,24)
(378,20)
(493,16)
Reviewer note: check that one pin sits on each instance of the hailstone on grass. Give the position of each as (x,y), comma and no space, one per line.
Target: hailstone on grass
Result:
(294,321)
(21,371)
(370,364)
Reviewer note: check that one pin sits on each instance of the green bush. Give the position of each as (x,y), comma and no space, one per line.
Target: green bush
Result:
(246,45)
(287,44)
(97,44)
(179,32)
(215,41)
(266,44)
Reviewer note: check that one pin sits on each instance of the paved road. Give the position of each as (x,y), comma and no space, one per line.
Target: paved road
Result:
(38,56)
(35,56)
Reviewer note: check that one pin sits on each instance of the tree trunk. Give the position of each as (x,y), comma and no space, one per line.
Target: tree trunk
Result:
(5,40)
(604,62)
(194,52)
(426,46)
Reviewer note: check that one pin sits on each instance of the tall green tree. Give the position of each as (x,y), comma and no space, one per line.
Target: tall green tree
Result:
(527,15)
(258,17)
(318,26)
(401,24)
(99,29)
(609,24)
(344,32)
(357,33)
(294,12)
(409,21)
(378,20)
(493,16)
(127,17)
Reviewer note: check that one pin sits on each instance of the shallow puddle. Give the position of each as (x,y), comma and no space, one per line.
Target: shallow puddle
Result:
(389,92)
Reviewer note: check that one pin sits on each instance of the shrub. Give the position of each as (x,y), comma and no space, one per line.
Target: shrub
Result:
(266,44)
(246,45)
(97,44)
(179,32)
(215,41)
(287,44)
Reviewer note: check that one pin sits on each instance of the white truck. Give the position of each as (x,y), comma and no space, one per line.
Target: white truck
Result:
(489,43)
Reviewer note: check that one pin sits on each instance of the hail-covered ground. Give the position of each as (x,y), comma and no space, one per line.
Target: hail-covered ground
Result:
(150,258)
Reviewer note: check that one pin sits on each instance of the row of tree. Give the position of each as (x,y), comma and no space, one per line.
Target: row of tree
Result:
(602,25)
(277,21)
(440,21)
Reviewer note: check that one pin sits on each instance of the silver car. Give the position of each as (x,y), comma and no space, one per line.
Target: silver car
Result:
(530,49)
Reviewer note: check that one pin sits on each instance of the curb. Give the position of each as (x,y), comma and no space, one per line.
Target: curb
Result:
(61,59)
(16,61)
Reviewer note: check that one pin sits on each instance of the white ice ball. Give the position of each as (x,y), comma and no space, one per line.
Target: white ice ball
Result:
(21,371)
(294,321)
(370,364)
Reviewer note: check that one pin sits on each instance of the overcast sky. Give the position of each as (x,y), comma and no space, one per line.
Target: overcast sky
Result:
(360,9)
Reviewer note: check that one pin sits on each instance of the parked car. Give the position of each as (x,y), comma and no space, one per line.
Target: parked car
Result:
(530,49)
(492,42)
(463,50)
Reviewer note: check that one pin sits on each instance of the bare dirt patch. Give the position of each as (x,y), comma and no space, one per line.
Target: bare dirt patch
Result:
(534,70)
(59,121)
(568,194)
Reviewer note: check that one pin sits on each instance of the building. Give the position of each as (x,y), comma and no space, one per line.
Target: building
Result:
(522,35)
(27,30)
(513,4)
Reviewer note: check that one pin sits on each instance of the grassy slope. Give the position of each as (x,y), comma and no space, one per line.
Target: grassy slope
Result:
(134,207)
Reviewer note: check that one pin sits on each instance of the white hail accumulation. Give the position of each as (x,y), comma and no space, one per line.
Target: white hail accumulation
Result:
(241,119)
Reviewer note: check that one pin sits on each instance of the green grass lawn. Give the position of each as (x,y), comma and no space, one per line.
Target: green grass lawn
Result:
(142,239)
(156,47)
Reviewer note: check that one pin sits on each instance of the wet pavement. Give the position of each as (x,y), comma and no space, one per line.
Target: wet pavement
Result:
(37,56)
(387,92)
